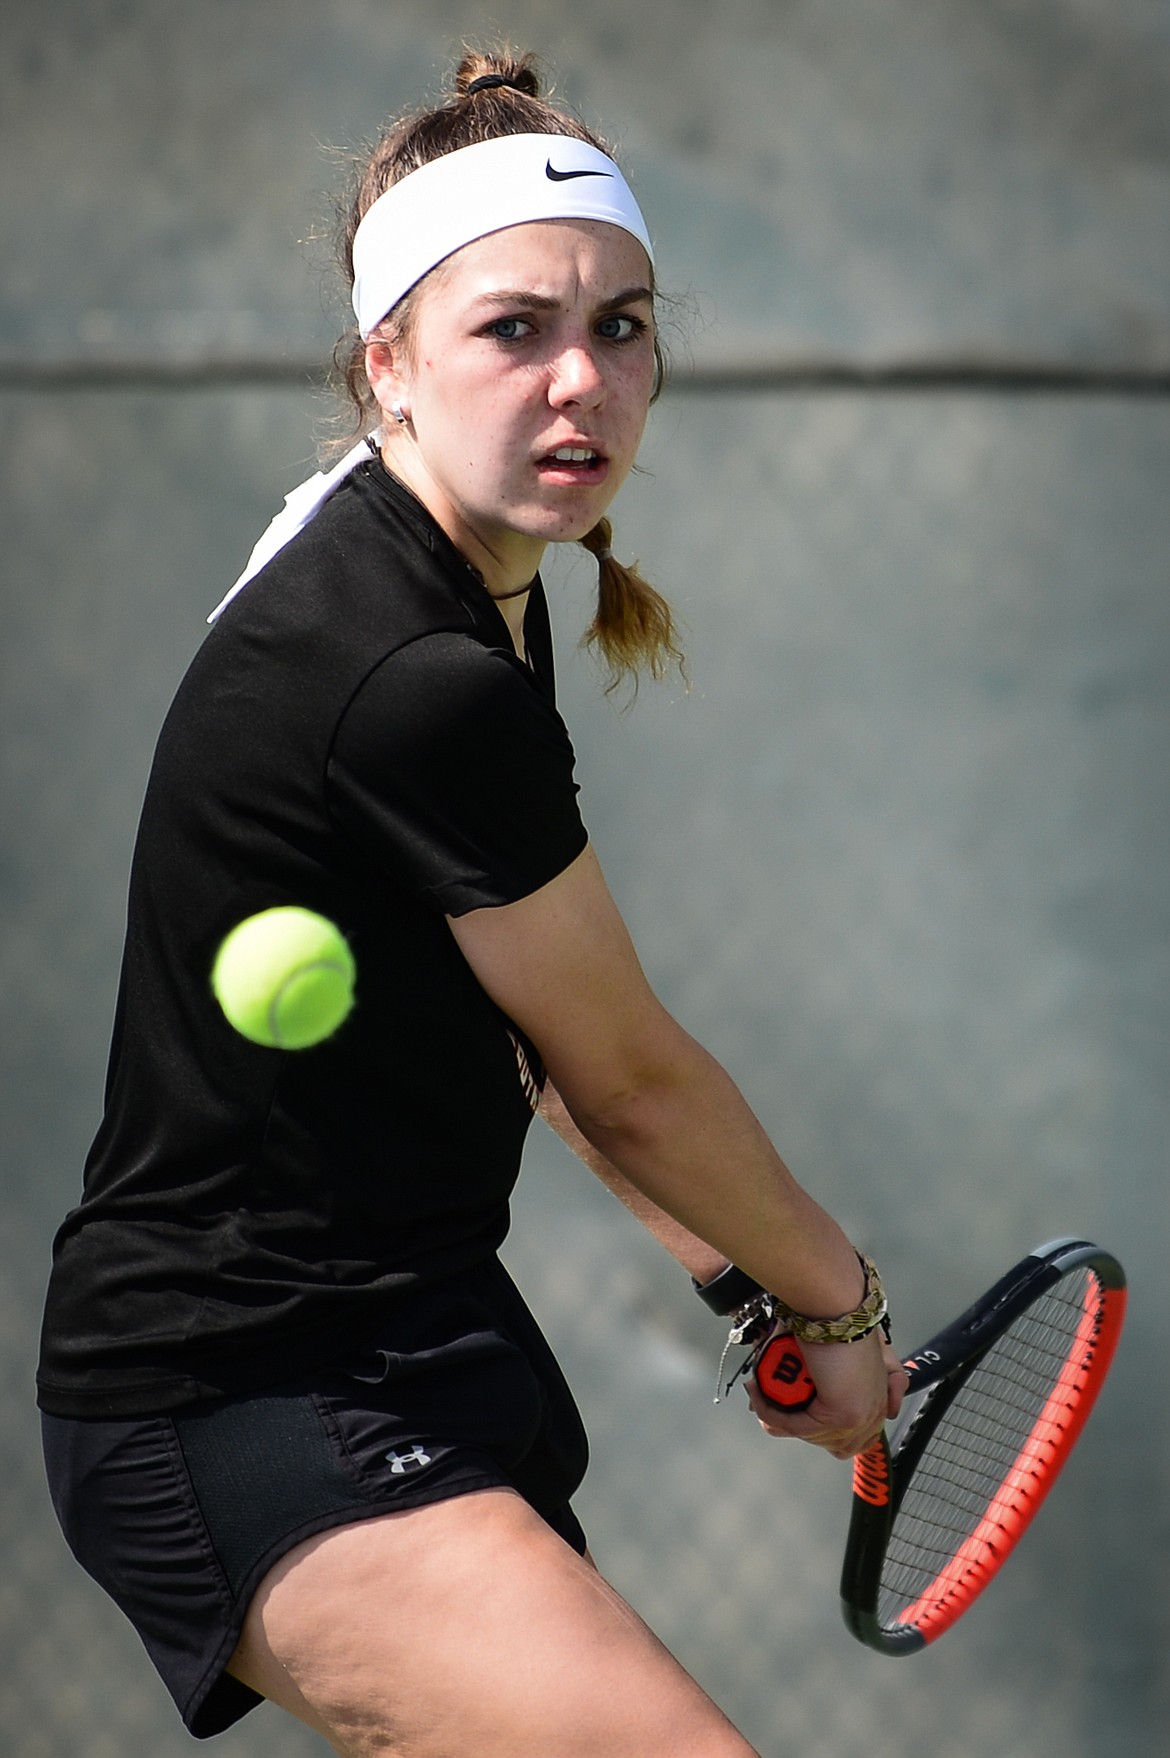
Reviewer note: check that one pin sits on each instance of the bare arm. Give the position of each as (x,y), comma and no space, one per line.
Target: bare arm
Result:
(700,1260)
(662,1111)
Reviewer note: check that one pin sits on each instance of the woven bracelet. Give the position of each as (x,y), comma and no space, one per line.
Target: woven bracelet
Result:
(733,1290)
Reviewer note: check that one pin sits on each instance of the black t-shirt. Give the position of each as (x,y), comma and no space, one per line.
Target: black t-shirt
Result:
(357,735)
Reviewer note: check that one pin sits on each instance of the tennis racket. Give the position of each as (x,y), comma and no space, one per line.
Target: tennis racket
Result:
(996,1404)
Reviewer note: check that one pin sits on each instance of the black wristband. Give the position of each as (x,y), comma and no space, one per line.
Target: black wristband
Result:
(728,1291)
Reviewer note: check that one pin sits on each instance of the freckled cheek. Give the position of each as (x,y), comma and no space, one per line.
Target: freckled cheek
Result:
(478,423)
(633,421)
(488,441)
(634,391)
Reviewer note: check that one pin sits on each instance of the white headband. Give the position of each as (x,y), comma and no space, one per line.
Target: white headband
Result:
(480,189)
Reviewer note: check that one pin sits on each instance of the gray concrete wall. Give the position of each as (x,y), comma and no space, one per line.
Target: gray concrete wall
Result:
(899,857)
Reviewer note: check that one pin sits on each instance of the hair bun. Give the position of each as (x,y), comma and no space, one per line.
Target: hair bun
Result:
(479,72)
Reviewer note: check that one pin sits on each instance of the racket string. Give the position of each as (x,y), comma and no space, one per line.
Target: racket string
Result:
(998,1438)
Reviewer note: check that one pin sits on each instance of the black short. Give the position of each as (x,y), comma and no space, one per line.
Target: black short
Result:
(180,1516)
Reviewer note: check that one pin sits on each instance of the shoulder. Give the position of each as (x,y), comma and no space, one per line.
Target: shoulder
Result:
(436,767)
(370,569)
(446,689)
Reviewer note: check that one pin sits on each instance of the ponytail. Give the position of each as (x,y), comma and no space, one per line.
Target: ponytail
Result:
(633,629)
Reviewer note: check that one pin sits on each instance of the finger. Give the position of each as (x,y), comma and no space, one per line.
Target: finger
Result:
(852,1437)
(897,1379)
(775,1423)
(803,1426)
(772,1417)
(898,1385)
(841,1443)
(859,1442)
(843,1440)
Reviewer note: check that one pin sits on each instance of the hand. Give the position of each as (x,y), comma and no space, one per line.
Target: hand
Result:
(859,1386)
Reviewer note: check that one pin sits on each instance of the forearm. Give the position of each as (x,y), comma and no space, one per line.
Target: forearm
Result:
(683,1149)
(700,1260)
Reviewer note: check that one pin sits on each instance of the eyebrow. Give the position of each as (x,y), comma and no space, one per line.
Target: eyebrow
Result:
(547,302)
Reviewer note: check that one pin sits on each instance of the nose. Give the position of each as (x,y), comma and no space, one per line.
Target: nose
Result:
(576,378)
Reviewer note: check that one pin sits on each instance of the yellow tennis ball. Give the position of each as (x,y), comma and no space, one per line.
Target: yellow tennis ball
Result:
(285,978)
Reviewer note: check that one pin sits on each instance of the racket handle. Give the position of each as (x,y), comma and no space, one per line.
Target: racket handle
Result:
(782,1375)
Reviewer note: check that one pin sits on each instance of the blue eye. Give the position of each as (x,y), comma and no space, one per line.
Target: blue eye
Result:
(509,329)
(621,327)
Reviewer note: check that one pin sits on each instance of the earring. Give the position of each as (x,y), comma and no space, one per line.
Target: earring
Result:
(399,414)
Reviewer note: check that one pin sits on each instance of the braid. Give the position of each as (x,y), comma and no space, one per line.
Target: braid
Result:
(633,628)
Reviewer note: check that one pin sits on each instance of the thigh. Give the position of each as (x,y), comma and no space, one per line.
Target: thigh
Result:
(469,1627)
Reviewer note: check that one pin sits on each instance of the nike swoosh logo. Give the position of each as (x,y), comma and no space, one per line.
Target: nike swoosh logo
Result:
(555,176)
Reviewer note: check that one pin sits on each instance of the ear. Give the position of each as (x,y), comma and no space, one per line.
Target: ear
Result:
(385,369)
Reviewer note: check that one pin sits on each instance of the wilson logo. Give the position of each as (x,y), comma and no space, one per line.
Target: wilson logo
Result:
(871,1477)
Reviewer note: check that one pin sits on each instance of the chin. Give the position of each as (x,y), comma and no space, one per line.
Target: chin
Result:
(563,529)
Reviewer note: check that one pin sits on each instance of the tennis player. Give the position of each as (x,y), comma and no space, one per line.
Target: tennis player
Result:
(298,1421)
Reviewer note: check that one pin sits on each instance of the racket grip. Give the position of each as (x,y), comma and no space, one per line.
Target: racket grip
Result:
(782,1375)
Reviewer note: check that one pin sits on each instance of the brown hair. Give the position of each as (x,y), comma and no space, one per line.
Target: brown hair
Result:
(633,629)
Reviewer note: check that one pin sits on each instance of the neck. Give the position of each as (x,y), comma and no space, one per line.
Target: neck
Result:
(507,567)
(511,606)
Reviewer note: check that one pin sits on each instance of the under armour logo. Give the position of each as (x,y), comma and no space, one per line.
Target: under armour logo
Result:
(400,1461)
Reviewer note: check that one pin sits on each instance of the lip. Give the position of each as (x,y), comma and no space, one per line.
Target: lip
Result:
(583,473)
